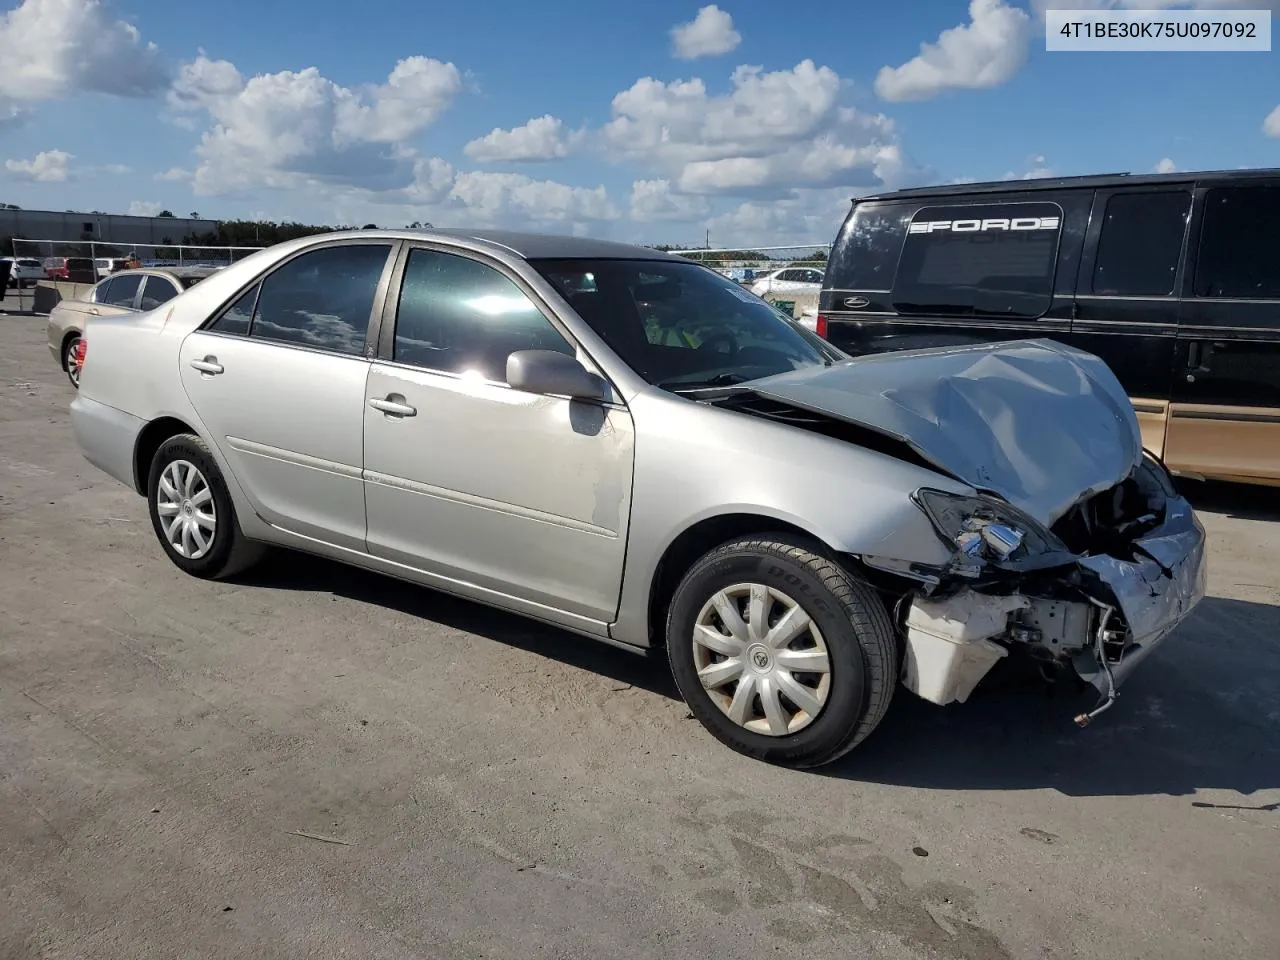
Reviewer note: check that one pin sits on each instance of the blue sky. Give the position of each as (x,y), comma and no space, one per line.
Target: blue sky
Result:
(655,122)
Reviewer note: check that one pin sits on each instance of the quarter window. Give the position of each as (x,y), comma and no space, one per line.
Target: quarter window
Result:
(1239,249)
(157,291)
(460,316)
(1141,244)
(992,259)
(120,291)
(322,299)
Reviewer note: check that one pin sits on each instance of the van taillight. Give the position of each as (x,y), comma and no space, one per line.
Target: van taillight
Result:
(820,328)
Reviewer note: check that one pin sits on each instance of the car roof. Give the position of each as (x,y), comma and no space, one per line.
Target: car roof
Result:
(530,246)
(1090,182)
(178,273)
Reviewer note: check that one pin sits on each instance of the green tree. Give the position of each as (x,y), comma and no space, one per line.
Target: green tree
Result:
(165,213)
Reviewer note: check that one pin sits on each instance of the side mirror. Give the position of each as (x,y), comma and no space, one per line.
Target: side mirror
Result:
(551,373)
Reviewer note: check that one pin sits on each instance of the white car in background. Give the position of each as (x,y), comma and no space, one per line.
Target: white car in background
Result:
(24,271)
(789,280)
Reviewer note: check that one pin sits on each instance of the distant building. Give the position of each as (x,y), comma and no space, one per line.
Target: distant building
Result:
(100,227)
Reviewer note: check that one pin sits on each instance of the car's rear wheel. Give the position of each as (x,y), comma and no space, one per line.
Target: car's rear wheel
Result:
(780,652)
(71,359)
(192,513)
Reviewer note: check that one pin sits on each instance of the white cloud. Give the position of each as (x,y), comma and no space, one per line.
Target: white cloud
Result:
(1166,166)
(654,200)
(502,198)
(1271,125)
(1037,169)
(542,138)
(289,128)
(53,48)
(175,174)
(144,208)
(771,133)
(709,34)
(48,166)
(809,216)
(981,54)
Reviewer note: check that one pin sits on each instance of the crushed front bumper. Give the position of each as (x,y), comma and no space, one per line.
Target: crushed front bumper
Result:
(1152,593)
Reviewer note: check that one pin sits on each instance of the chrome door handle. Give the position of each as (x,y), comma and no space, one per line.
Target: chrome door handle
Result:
(93,312)
(209,365)
(392,408)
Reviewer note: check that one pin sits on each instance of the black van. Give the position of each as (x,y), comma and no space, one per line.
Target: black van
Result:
(1172,279)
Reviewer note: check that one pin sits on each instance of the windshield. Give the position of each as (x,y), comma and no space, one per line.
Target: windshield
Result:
(680,325)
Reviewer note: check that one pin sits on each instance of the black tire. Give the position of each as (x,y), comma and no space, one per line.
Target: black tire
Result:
(854,625)
(231,551)
(73,372)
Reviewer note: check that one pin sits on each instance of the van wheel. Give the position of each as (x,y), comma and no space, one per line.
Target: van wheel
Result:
(779,652)
(192,513)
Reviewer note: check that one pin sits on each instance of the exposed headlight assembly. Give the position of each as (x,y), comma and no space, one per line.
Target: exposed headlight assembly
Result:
(980,529)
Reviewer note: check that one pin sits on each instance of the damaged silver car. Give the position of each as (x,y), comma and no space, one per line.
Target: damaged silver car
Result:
(627,445)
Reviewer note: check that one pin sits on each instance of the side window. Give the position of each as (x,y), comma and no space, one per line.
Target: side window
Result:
(322,299)
(102,291)
(790,276)
(460,316)
(1141,244)
(122,290)
(979,259)
(237,317)
(1239,248)
(157,291)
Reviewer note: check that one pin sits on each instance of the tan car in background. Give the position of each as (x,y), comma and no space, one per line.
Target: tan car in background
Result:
(129,291)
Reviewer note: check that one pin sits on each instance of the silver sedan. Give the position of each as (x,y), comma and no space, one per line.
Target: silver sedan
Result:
(627,445)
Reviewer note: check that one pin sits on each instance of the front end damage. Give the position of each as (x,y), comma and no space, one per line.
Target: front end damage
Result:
(1091,596)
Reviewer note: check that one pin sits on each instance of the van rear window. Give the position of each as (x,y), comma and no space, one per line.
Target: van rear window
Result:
(996,259)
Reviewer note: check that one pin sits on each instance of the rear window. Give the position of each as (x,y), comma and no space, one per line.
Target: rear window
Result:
(79,263)
(996,259)
(866,253)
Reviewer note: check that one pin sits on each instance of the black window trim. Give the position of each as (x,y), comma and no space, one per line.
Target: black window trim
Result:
(1008,201)
(1195,233)
(386,346)
(376,313)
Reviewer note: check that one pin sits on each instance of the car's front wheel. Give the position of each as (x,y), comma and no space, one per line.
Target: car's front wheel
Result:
(192,512)
(780,652)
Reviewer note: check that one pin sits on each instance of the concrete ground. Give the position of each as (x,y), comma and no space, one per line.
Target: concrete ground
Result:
(316,762)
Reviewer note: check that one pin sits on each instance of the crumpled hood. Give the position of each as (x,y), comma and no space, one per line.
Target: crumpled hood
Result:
(1038,423)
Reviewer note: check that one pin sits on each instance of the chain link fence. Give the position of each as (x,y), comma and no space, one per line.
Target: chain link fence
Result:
(91,260)
(746,264)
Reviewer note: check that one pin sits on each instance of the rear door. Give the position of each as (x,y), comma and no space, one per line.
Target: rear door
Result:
(909,274)
(1225,418)
(278,379)
(1126,308)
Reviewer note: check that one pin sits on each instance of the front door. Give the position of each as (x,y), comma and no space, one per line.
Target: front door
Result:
(1225,418)
(278,379)
(1126,308)
(525,497)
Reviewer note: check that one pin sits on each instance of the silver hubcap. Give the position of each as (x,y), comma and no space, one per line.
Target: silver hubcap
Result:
(73,363)
(761,659)
(187,512)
